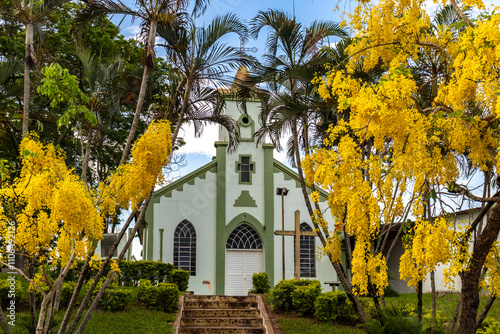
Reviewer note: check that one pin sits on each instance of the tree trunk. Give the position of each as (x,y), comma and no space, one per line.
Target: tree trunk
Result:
(456,314)
(142,93)
(472,275)
(433,288)
(419,300)
(46,306)
(338,268)
(485,311)
(74,297)
(98,276)
(118,260)
(57,297)
(31,275)
(3,322)
(28,61)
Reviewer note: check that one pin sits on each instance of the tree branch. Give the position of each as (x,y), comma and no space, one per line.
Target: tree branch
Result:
(462,14)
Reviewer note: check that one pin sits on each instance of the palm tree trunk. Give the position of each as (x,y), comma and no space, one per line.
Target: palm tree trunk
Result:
(28,60)
(148,67)
(338,268)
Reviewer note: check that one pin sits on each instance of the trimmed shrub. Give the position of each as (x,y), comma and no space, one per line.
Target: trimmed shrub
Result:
(181,278)
(260,283)
(164,297)
(156,272)
(303,297)
(281,295)
(334,305)
(115,299)
(168,296)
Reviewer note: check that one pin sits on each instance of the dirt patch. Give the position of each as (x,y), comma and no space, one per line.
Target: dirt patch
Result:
(274,317)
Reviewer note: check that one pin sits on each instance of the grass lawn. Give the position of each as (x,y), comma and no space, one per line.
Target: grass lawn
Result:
(135,319)
(290,323)
(445,305)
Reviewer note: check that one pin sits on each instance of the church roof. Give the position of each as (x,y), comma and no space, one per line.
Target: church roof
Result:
(201,173)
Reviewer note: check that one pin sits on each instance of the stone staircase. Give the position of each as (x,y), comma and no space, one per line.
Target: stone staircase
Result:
(221,314)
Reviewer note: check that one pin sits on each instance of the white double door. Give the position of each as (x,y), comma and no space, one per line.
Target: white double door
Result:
(240,266)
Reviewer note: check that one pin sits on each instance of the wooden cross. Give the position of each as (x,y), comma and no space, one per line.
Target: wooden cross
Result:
(297,233)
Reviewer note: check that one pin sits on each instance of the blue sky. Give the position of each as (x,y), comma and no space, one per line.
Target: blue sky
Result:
(199,151)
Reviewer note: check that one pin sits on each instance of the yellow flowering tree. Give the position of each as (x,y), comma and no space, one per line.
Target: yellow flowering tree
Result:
(50,215)
(400,147)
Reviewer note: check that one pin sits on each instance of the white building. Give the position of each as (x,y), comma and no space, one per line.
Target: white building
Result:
(461,219)
(218,222)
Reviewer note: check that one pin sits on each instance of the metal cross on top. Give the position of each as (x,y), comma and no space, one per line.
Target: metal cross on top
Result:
(297,233)
(244,49)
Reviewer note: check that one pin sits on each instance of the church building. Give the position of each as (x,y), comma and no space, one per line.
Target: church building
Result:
(219,221)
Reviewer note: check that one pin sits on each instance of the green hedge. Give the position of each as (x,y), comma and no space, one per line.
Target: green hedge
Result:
(115,299)
(285,297)
(260,283)
(130,272)
(163,297)
(303,298)
(133,271)
(181,278)
(334,305)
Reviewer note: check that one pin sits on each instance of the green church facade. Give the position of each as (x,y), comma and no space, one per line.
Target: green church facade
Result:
(219,220)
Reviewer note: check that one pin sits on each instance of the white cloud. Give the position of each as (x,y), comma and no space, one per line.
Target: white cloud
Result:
(201,145)
(132,31)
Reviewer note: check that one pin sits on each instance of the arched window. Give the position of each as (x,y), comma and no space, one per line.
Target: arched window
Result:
(244,237)
(185,247)
(307,257)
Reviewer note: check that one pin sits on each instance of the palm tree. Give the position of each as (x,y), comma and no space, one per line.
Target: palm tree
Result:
(30,14)
(292,103)
(201,62)
(151,13)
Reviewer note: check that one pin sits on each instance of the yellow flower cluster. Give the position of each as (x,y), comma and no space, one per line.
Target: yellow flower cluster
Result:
(410,148)
(132,182)
(421,255)
(55,213)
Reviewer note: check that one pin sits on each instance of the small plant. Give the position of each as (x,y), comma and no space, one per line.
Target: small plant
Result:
(303,298)
(260,283)
(168,296)
(281,295)
(115,299)
(282,298)
(164,297)
(181,278)
(334,305)
(489,326)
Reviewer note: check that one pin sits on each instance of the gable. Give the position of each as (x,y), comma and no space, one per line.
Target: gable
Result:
(290,174)
(200,173)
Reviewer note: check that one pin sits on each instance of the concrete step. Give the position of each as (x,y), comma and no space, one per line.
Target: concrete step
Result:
(217,313)
(209,298)
(221,322)
(219,305)
(220,330)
